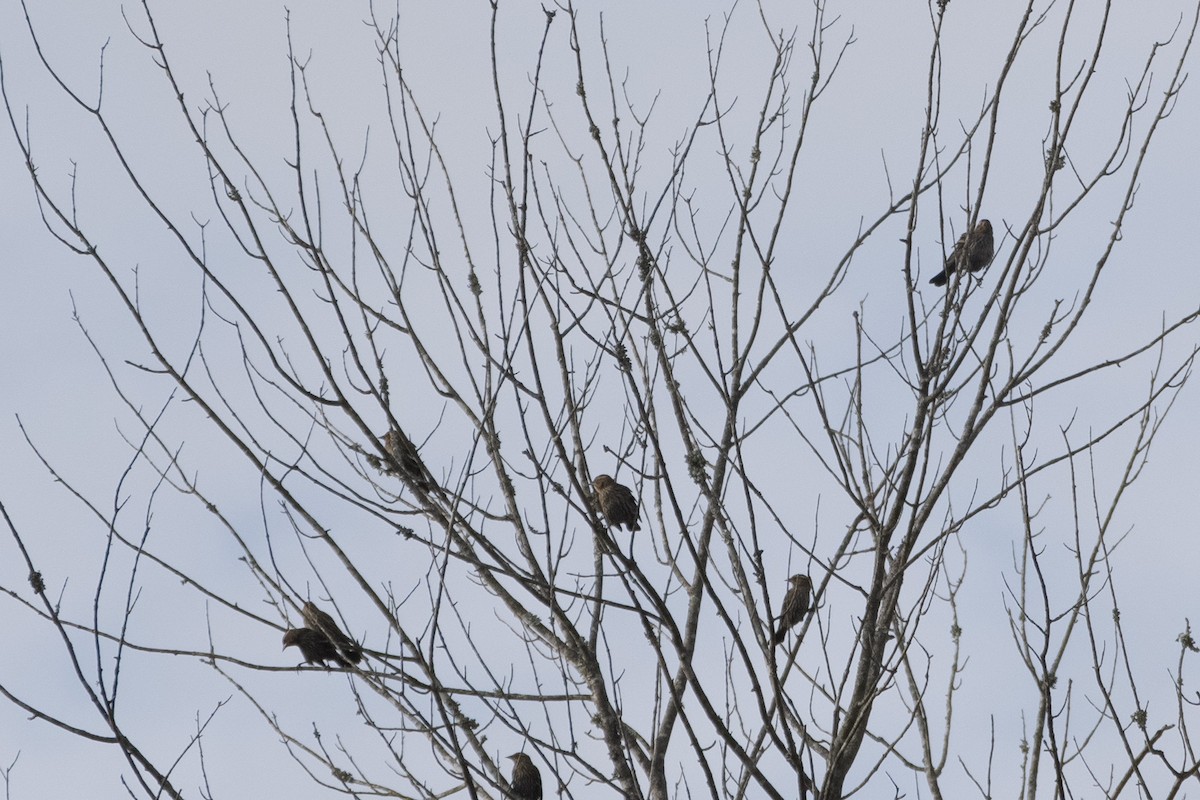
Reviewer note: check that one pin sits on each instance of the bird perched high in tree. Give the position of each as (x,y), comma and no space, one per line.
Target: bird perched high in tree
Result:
(526,780)
(795,605)
(617,502)
(314,646)
(972,252)
(318,620)
(404,455)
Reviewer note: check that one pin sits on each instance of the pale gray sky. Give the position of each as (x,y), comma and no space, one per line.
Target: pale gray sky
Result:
(869,119)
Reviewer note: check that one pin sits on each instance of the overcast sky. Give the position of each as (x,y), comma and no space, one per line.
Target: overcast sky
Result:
(867,130)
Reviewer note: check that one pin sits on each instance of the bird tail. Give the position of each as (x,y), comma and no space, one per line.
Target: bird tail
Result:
(939,279)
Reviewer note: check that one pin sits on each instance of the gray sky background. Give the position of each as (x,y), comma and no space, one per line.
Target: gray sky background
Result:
(56,387)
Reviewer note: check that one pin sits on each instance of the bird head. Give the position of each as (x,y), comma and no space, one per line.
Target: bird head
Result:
(800,581)
(602,482)
(291,637)
(983,226)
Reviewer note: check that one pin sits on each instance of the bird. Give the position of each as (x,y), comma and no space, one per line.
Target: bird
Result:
(318,620)
(617,502)
(314,646)
(526,780)
(404,456)
(972,252)
(795,606)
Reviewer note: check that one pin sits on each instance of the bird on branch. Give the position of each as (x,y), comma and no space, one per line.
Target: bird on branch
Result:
(402,460)
(526,780)
(795,606)
(318,620)
(617,502)
(314,646)
(972,252)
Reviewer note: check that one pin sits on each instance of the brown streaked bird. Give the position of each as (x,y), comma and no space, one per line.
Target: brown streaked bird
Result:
(318,620)
(404,456)
(795,606)
(526,780)
(314,646)
(972,252)
(617,502)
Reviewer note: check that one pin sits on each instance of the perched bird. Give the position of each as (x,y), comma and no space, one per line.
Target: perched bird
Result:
(404,456)
(619,505)
(972,252)
(314,646)
(318,620)
(526,780)
(795,606)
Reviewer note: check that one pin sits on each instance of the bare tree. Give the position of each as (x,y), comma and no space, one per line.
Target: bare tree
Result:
(419,388)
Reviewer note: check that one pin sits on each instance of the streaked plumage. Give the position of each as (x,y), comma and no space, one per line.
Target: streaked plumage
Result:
(526,780)
(617,502)
(795,606)
(318,620)
(405,459)
(972,252)
(314,646)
